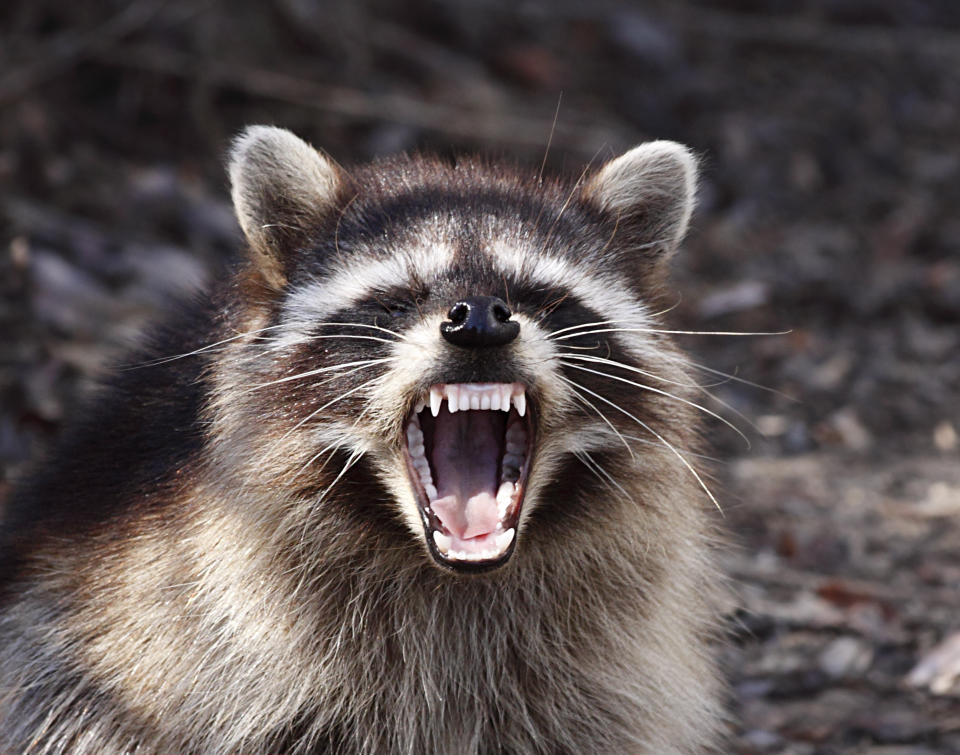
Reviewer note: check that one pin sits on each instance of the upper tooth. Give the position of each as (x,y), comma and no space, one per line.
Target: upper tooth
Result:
(495,400)
(453,398)
(520,401)
(436,400)
(474,402)
(505,398)
(485,402)
(464,401)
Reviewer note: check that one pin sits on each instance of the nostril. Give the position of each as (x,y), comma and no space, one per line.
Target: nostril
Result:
(500,311)
(458,312)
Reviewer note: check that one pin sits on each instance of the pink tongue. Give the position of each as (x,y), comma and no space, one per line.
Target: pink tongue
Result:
(465,454)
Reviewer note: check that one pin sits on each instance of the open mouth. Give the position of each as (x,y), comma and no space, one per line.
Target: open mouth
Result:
(468,449)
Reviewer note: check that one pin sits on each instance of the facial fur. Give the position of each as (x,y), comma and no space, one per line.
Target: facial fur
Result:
(341,556)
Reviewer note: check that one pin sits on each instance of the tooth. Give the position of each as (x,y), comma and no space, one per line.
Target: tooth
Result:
(485,401)
(431,491)
(512,460)
(515,448)
(414,435)
(436,400)
(464,401)
(443,542)
(421,405)
(419,450)
(453,398)
(474,402)
(505,398)
(504,497)
(495,400)
(503,540)
(520,401)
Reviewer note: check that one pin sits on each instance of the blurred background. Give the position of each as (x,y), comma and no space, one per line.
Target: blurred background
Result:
(829,134)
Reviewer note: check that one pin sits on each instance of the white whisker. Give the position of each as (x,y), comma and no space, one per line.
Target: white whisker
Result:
(202,349)
(672,332)
(659,437)
(342,396)
(586,402)
(594,466)
(321,370)
(662,393)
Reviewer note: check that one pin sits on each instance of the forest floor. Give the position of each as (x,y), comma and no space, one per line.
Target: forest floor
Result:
(831,178)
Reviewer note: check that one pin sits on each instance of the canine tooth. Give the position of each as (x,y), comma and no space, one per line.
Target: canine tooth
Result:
(453,398)
(504,497)
(436,400)
(443,542)
(503,540)
(520,402)
(431,491)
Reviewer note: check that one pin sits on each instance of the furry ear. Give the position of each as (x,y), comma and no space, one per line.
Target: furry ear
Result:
(281,188)
(651,191)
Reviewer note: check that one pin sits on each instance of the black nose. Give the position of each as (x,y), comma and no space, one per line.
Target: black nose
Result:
(479,321)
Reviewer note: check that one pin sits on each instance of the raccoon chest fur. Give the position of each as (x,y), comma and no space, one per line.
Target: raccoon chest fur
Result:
(419,477)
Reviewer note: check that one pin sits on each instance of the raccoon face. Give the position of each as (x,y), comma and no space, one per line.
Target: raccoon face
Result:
(419,315)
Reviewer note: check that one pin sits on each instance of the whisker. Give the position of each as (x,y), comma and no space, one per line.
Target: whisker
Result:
(674,332)
(744,381)
(353,459)
(647,441)
(555,333)
(342,396)
(662,393)
(394,333)
(604,476)
(164,360)
(659,437)
(321,370)
(320,336)
(586,402)
(624,366)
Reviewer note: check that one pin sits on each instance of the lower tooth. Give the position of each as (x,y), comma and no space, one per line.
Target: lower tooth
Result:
(442,541)
(503,541)
(431,490)
(504,497)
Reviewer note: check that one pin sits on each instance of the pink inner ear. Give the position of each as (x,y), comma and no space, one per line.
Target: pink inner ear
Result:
(466,457)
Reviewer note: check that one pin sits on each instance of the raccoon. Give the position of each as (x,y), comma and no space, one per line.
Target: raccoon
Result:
(419,476)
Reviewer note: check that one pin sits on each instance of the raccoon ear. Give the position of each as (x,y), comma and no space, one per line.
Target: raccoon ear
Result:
(281,188)
(651,190)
